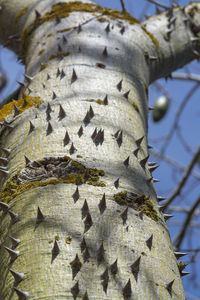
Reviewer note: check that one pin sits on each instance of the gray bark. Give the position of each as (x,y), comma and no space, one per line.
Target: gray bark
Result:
(78,150)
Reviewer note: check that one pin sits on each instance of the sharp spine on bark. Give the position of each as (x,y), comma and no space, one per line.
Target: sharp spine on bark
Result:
(149,242)
(140,215)
(38,15)
(169,287)
(75,266)
(85,297)
(155,180)
(122,30)
(83,245)
(59,48)
(114,268)
(8,125)
(100,253)
(179,254)
(4,160)
(135,152)
(66,139)
(91,112)
(28,78)
(14,217)
(153,168)
(139,141)
(49,129)
(74,77)
(88,222)
(49,110)
(75,290)
(124,215)
(72,149)
(104,280)
(119,86)
(184,273)
(48,118)
(62,74)
(102,204)
(76,195)
(86,120)
(116,133)
(62,113)
(80,131)
(127,290)
(116,183)
(105,52)
(54,96)
(85,209)
(105,101)
(125,95)
(40,216)
(150,108)
(4,206)
(94,134)
(32,127)
(21,83)
(167,216)
(5,173)
(135,268)
(126,162)
(86,255)
(107,29)
(16,110)
(27,160)
(15,242)
(119,139)
(144,161)
(57,19)
(58,73)
(13,253)
(55,250)
(21,294)
(79,28)
(6,151)
(17,276)
(64,39)
(162,208)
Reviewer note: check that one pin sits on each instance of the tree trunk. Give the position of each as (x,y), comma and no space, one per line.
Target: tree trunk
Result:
(80,216)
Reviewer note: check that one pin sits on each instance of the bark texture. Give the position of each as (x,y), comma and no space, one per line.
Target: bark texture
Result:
(74,164)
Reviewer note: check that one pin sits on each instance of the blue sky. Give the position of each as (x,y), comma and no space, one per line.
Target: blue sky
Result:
(189,124)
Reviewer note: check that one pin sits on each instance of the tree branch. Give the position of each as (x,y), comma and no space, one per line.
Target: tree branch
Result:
(181,235)
(159,4)
(177,190)
(123,6)
(185,76)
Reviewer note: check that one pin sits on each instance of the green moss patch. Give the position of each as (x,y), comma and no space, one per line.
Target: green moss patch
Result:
(138,203)
(52,170)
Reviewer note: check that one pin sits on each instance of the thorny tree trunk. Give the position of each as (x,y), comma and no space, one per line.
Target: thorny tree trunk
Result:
(75,145)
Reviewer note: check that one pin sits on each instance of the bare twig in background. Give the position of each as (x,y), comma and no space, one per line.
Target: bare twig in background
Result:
(183,210)
(177,190)
(173,162)
(159,4)
(185,76)
(123,6)
(177,116)
(178,240)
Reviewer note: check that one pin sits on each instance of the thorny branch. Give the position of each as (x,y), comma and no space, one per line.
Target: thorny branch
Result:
(186,175)
(178,240)
(159,4)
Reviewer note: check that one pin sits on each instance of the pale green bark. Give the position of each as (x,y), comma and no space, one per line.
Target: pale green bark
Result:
(129,58)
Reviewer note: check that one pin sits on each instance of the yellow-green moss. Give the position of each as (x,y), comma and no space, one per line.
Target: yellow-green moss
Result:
(139,203)
(63,10)
(21,13)
(65,29)
(152,37)
(41,51)
(136,107)
(101,102)
(13,187)
(68,240)
(22,104)
(102,19)
(181,266)
(56,55)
